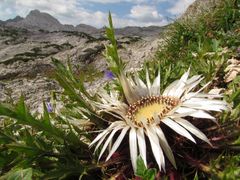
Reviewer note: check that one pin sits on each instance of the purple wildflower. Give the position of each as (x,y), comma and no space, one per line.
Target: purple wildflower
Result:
(109,75)
(49,107)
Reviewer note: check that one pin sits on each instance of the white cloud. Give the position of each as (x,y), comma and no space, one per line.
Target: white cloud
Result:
(97,19)
(180,7)
(5,9)
(66,11)
(60,7)
(145,13)
(120,22)
(72,12)
(157,1)
(116,1)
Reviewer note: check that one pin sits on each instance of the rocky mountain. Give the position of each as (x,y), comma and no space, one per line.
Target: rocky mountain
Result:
(87,29)
(25,55)
(139,31)
(199,7)
(37,20)
(14,20)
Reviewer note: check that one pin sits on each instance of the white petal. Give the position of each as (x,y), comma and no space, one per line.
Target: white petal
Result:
(170,88)
(176,115)
(206,101)
(133,147)
(194,113)
(110,145)
(178,129)
(156,148)
(204,95)
(108,141)
(193,79)
(129,93)
(148,82)
(206,107)
(194,130)
(204,115)
(101,141)
(191,86)
(184,111)
(155,89)
(117,142)
(139,82)
(180,87)
(206,104)
(190,95)
(164,144)
(113,114)
(141,87)
(99,136)
(142,145)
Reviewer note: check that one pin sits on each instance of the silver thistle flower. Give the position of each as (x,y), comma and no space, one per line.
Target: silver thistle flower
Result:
(146,109)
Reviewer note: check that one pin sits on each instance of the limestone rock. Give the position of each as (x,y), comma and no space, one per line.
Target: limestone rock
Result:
(26,65)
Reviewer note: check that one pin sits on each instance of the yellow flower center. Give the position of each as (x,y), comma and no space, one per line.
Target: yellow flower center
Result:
(147,108)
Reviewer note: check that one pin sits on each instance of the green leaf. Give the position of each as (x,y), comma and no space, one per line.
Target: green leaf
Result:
(143,172)
(22,174)
(6,111)
(150,174)
(63,172)
(140,167)
(74,90)
(196,176)
(21,107)
(46,117)
(116,64)
(215,45)
(23,148)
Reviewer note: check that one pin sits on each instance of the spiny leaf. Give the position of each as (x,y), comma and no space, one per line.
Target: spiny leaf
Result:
(23,148)
(46,117)
(150,174)
(16,174)
(143,172)
(116,64)
(140,167)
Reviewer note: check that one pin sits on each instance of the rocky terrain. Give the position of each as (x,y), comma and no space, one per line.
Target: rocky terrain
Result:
(198,8)
(28,44)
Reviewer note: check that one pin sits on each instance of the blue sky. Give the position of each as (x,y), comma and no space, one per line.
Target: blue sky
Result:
(94,12)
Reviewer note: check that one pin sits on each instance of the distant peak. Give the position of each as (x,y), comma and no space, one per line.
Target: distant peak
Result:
(41,17)
(16,19)
(35,11)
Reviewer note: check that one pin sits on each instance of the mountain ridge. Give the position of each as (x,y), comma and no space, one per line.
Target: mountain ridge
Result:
(37,20)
